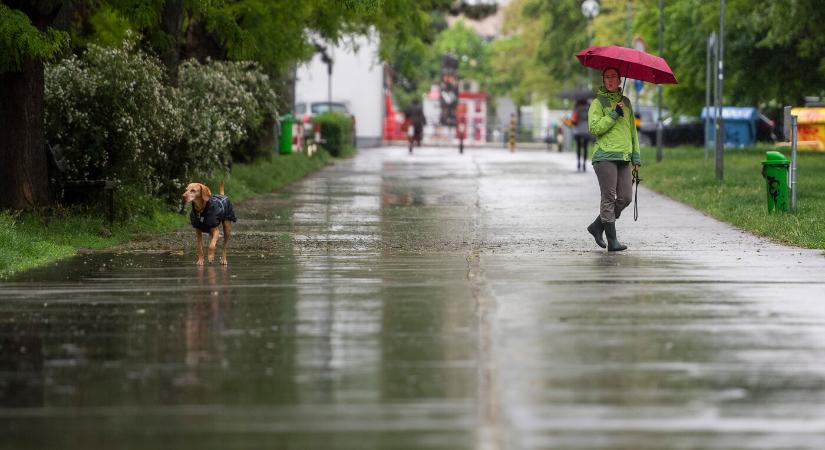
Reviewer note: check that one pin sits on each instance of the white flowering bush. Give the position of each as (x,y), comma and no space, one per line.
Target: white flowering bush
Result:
(216,111)
(251,77)
(113,116)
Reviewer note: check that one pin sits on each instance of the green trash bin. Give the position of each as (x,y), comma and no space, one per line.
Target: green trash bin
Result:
(775,171)
(285,143)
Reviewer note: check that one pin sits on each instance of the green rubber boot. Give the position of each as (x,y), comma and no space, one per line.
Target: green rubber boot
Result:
(613,244)
(596,229)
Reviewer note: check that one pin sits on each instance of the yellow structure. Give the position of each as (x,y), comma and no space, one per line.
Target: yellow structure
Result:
(810,127)
(512,140)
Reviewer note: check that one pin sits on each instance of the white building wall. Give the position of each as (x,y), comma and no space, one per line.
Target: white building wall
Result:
(357,79)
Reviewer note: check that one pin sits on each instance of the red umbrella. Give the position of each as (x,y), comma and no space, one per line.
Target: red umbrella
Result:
(631,63)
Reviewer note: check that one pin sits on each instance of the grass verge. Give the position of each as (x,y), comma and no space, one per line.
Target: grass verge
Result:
(741,199)
(32,239)
(247,180)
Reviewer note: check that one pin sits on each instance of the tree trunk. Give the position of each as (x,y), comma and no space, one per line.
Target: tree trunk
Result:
(24,179)
(200,43)
(171,21)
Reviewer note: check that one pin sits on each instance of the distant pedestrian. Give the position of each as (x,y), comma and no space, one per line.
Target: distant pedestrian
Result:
(414,114)
(581,132)
(560,137)
(611,120)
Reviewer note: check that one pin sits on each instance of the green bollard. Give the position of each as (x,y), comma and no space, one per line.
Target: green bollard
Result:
(285,143)
(775,172)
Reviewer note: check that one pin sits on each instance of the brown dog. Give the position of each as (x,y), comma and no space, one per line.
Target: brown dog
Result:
(209,211)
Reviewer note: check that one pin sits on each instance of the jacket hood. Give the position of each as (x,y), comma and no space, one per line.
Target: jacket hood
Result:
(613,96)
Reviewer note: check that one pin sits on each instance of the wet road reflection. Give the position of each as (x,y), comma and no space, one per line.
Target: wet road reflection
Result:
(431,301)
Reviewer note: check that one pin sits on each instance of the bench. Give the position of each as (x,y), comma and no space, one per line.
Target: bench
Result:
(64,185)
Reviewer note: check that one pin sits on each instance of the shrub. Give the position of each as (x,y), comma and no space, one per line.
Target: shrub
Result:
(225,105)
(133,204)
(112,114)
(336,132)
(250,76)
(115,117)
(215,112)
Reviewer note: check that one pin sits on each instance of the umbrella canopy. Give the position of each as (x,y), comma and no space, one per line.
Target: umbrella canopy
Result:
(631,63)
(577,94)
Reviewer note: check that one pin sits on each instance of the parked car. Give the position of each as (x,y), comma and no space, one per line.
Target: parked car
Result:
(681,130)
(648,116)
(306,110)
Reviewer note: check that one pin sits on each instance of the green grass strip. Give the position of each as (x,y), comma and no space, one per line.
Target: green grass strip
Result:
(740,199)
(29,239)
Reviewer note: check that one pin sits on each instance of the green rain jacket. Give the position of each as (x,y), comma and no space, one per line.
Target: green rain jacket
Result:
(616,136)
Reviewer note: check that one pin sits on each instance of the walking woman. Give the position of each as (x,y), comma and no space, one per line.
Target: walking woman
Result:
(611,120)
(581,132)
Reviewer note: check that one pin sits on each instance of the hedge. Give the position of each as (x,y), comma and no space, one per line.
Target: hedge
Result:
(114,115)
(336,132)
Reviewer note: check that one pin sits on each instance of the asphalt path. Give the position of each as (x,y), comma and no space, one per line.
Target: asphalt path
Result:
(425,301)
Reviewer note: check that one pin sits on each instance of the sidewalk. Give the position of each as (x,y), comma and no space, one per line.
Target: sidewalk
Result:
(425,301)
(698,336)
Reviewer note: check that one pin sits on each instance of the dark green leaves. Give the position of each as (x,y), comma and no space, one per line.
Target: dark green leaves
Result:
(20,40)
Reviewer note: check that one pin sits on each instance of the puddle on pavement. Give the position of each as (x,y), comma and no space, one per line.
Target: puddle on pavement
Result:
(390,303)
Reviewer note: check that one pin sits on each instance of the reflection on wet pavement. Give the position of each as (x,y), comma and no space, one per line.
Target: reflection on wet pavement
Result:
(430,301)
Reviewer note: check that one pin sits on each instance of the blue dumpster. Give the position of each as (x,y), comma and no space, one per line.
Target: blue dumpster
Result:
(740,125)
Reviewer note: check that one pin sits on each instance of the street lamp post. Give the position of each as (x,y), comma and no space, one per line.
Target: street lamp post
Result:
(659,114)
(710,59)
(326,58)
(590,9)
(329,86)
(720,124)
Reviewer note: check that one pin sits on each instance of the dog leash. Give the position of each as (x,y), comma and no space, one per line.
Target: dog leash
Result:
(636,181)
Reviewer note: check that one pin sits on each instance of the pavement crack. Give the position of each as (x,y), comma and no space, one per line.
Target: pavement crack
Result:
(491,433)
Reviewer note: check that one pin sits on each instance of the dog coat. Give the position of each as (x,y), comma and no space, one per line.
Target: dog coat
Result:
(216,210)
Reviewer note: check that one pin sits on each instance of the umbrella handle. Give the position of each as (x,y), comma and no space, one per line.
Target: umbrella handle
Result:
(627,68)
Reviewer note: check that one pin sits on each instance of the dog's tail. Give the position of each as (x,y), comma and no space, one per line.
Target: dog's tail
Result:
(222,187)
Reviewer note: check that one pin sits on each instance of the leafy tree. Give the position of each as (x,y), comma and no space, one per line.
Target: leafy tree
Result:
(416,61)
(774,54)
(517,72)
(469,48)
(276,34)
(26,39)
(610,26)
(515,59)
(563,31)
(419,64)
(22,40)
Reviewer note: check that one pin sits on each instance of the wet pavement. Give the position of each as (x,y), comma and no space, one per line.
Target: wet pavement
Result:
(432,301)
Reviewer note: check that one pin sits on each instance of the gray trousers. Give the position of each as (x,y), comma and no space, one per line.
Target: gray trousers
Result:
(616,185)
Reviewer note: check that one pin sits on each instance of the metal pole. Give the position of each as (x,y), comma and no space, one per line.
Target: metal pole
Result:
(589,44)
(708,62)
(329,86)
(794,138)
(586,71)
(512,137)
(720,124)
(716,113)
(661,54)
